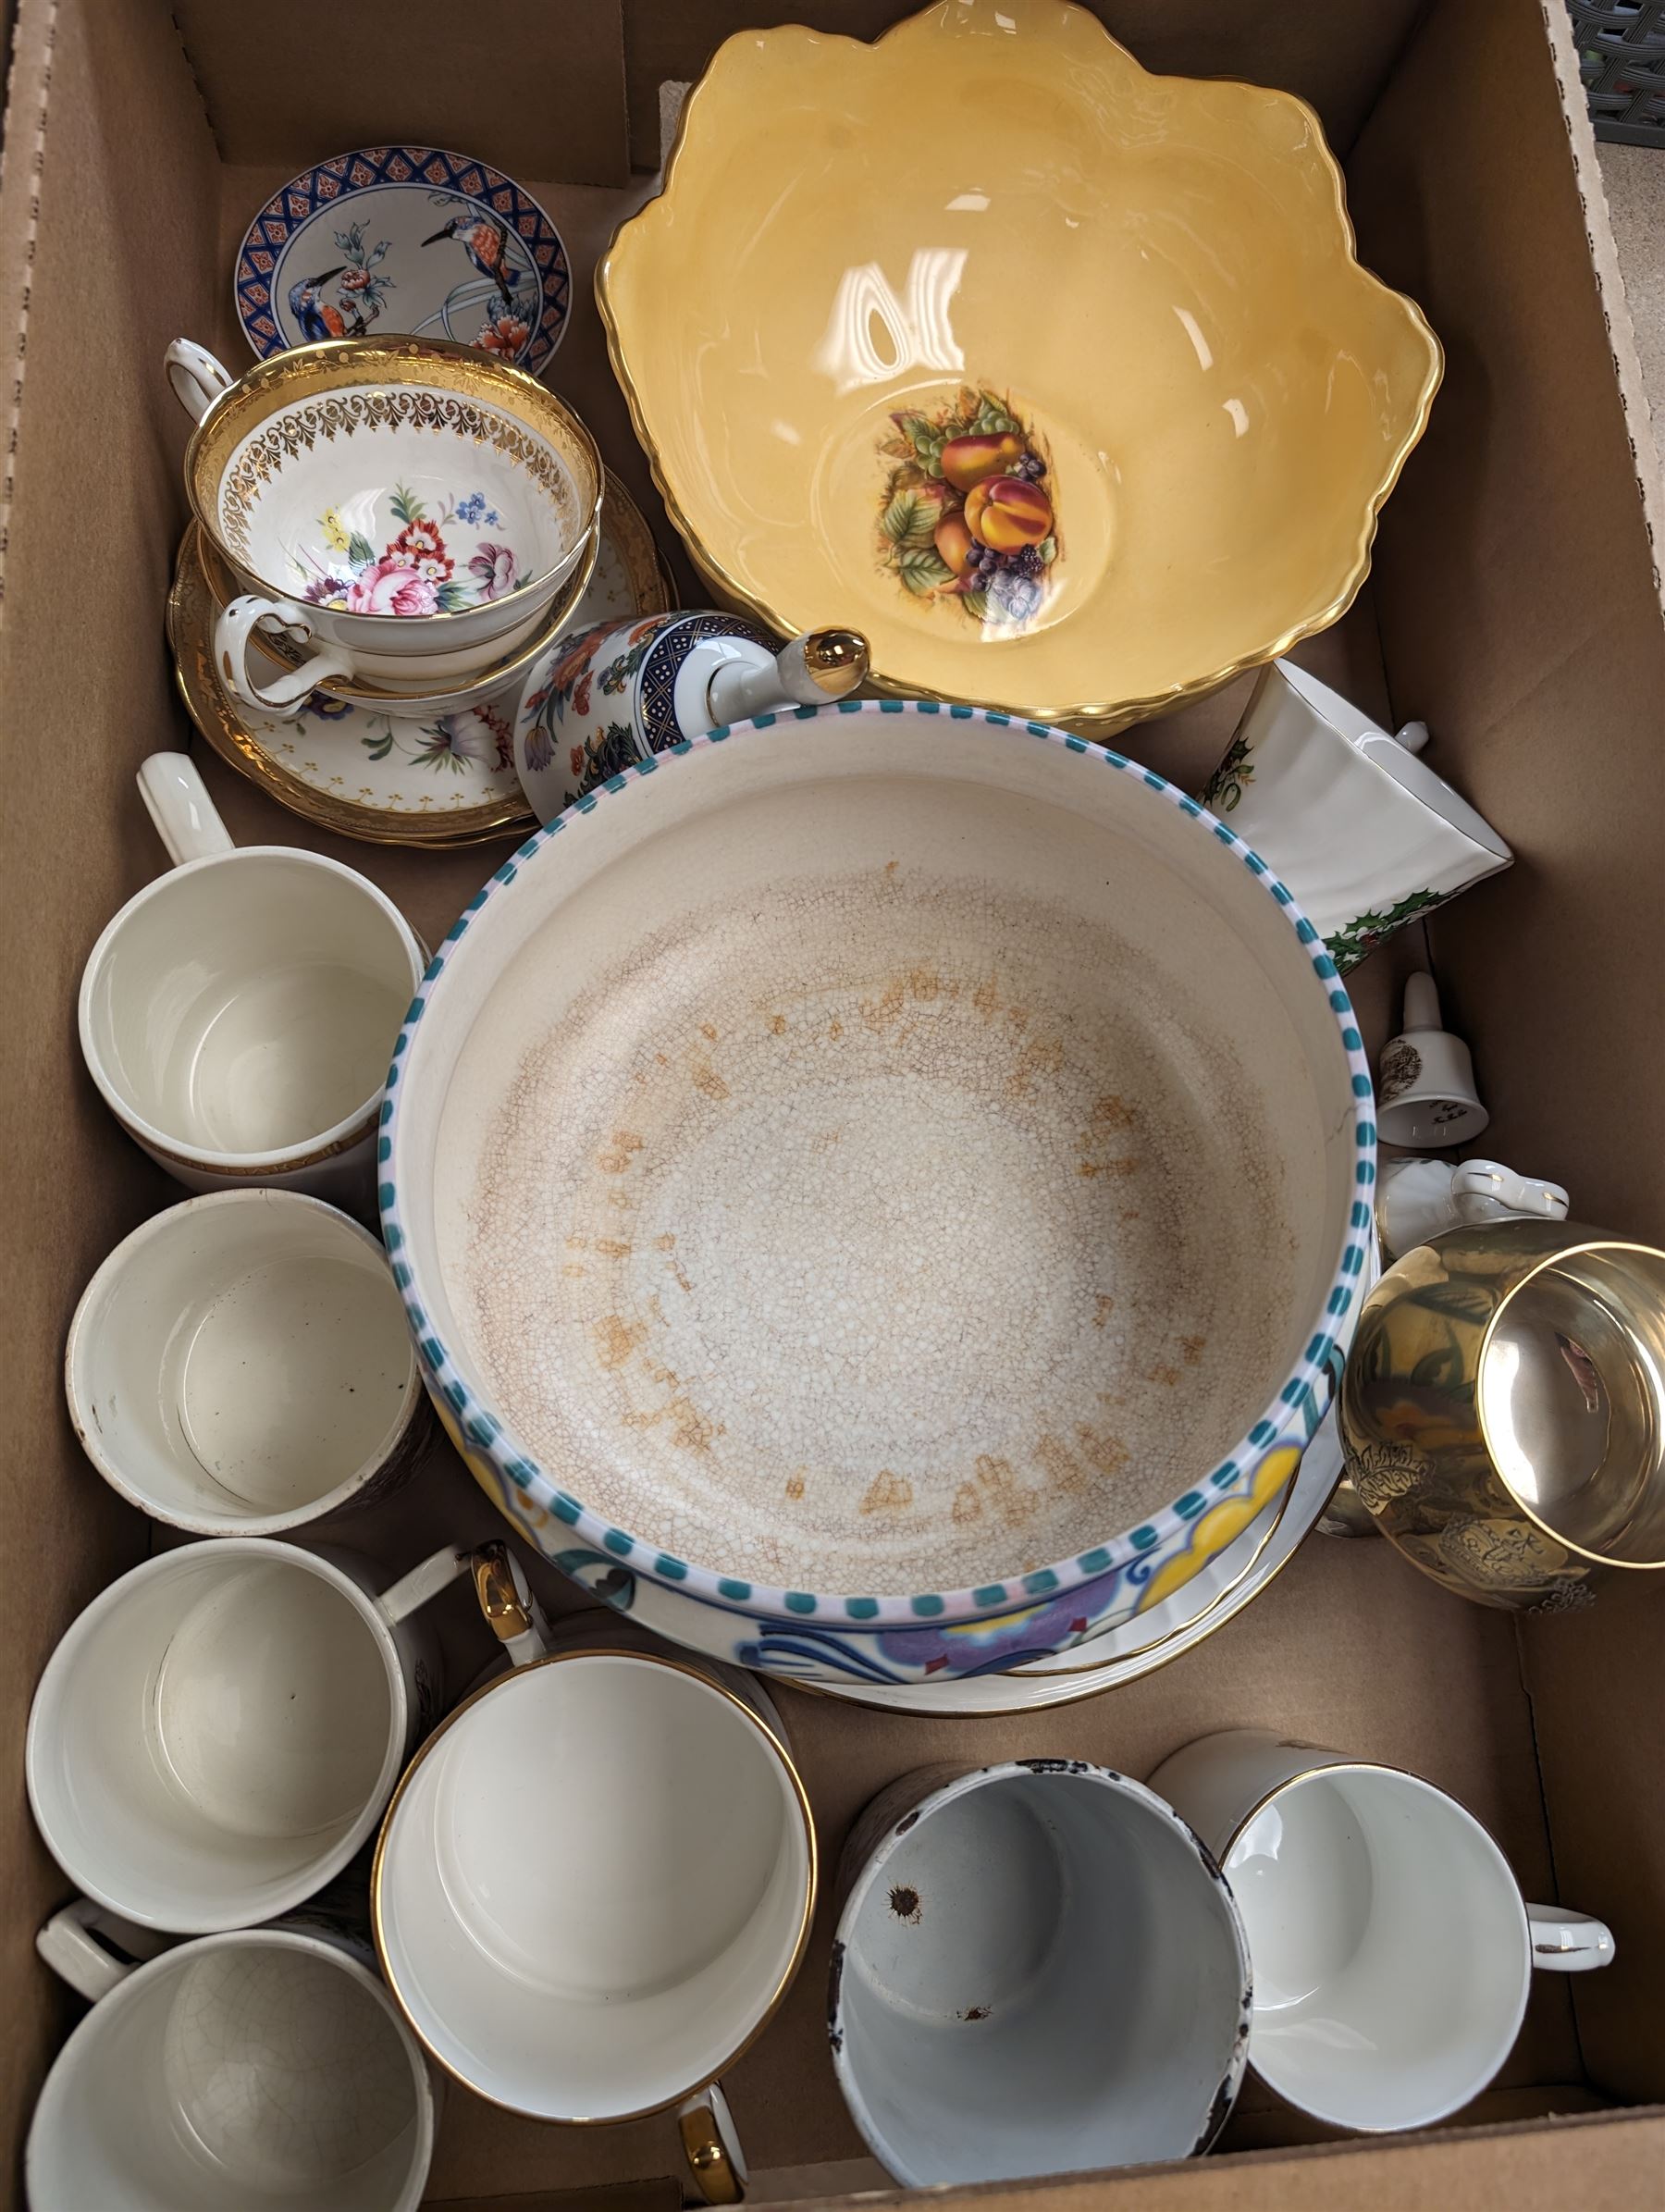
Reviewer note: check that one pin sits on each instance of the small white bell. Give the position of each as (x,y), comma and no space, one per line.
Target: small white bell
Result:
(1425,1094)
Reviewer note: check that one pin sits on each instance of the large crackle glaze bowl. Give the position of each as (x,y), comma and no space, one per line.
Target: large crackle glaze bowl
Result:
(1059,380)
(881,1168)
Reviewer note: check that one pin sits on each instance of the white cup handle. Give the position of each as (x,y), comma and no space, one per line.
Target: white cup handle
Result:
(72,1947)
(711,2147)
(196,377)
(235,631)
(1568,1943)
(414,1590)
(176,800)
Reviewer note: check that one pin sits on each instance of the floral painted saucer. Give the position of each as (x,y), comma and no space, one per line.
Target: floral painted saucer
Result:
(409,239)
(433,779)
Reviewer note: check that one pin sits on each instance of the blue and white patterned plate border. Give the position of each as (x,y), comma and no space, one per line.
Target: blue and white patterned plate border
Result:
(333,185)
(493,1449)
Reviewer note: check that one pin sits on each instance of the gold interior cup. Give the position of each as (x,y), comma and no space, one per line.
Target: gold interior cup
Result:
(302,456)
(1503,1410)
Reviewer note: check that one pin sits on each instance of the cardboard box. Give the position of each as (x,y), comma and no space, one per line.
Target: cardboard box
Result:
(1516,603)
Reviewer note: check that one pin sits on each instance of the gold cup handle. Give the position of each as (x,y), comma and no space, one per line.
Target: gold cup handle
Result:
(713,2147)
(512,1613)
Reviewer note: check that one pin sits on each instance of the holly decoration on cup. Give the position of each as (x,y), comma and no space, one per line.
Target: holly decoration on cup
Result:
(967,514)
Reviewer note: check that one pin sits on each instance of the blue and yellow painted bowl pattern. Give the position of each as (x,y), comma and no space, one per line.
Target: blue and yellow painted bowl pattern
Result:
(810,1653)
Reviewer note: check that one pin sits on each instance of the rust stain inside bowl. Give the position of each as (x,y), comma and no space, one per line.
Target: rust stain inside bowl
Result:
(925,1235)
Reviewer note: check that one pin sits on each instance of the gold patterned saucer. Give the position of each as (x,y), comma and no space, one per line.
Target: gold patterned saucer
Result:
(432,780)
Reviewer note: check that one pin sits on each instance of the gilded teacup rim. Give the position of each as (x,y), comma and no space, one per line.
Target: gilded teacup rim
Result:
(341,363)
(678,1662)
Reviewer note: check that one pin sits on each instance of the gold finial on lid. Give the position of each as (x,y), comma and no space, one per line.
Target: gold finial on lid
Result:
(836,661)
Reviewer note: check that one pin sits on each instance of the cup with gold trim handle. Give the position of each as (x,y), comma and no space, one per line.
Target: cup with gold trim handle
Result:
(671,1901)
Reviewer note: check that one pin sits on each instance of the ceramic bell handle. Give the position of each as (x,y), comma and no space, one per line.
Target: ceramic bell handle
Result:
(196,377)
(818,666)
(711,2147)
(512,1613)
(176,801)
(92,1950)
(1422,1002)
(235,631)
(1568,1943)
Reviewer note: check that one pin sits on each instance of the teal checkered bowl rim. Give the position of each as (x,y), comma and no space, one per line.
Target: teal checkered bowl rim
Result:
(487,1437)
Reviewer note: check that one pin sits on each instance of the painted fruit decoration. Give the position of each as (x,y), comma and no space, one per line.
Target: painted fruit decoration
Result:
(968,515)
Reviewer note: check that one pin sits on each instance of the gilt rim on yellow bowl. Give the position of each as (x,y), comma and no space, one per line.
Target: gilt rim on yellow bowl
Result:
(1012,295)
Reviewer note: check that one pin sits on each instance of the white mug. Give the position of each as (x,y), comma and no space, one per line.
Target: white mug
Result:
(1392,1950)
(238,1014)
(240,1365)
(1362,832)
(594,1883)
(219,1730)
(233,2071)
(1038,1968)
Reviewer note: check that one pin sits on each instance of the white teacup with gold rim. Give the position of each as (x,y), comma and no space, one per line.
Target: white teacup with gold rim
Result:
(675,1884)
(238,1014)
(409,506)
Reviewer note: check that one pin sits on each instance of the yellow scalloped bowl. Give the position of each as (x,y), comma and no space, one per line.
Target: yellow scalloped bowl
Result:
(987,288)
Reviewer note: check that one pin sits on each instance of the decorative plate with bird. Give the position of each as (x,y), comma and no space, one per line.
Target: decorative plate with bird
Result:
(408,240)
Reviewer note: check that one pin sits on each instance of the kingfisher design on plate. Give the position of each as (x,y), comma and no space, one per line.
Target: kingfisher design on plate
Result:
(405,240)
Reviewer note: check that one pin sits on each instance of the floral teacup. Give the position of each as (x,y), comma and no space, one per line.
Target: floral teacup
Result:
(413,507)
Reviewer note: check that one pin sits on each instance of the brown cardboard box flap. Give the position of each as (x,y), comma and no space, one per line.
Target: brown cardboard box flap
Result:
(1613,2164)
(535,86)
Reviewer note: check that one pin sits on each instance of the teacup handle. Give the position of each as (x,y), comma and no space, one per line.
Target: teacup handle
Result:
(92,1950)
(711,2147)
(512,1613)
(176,800)
(234,633)
(1568,1943)
(196,377)
(424,1581)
